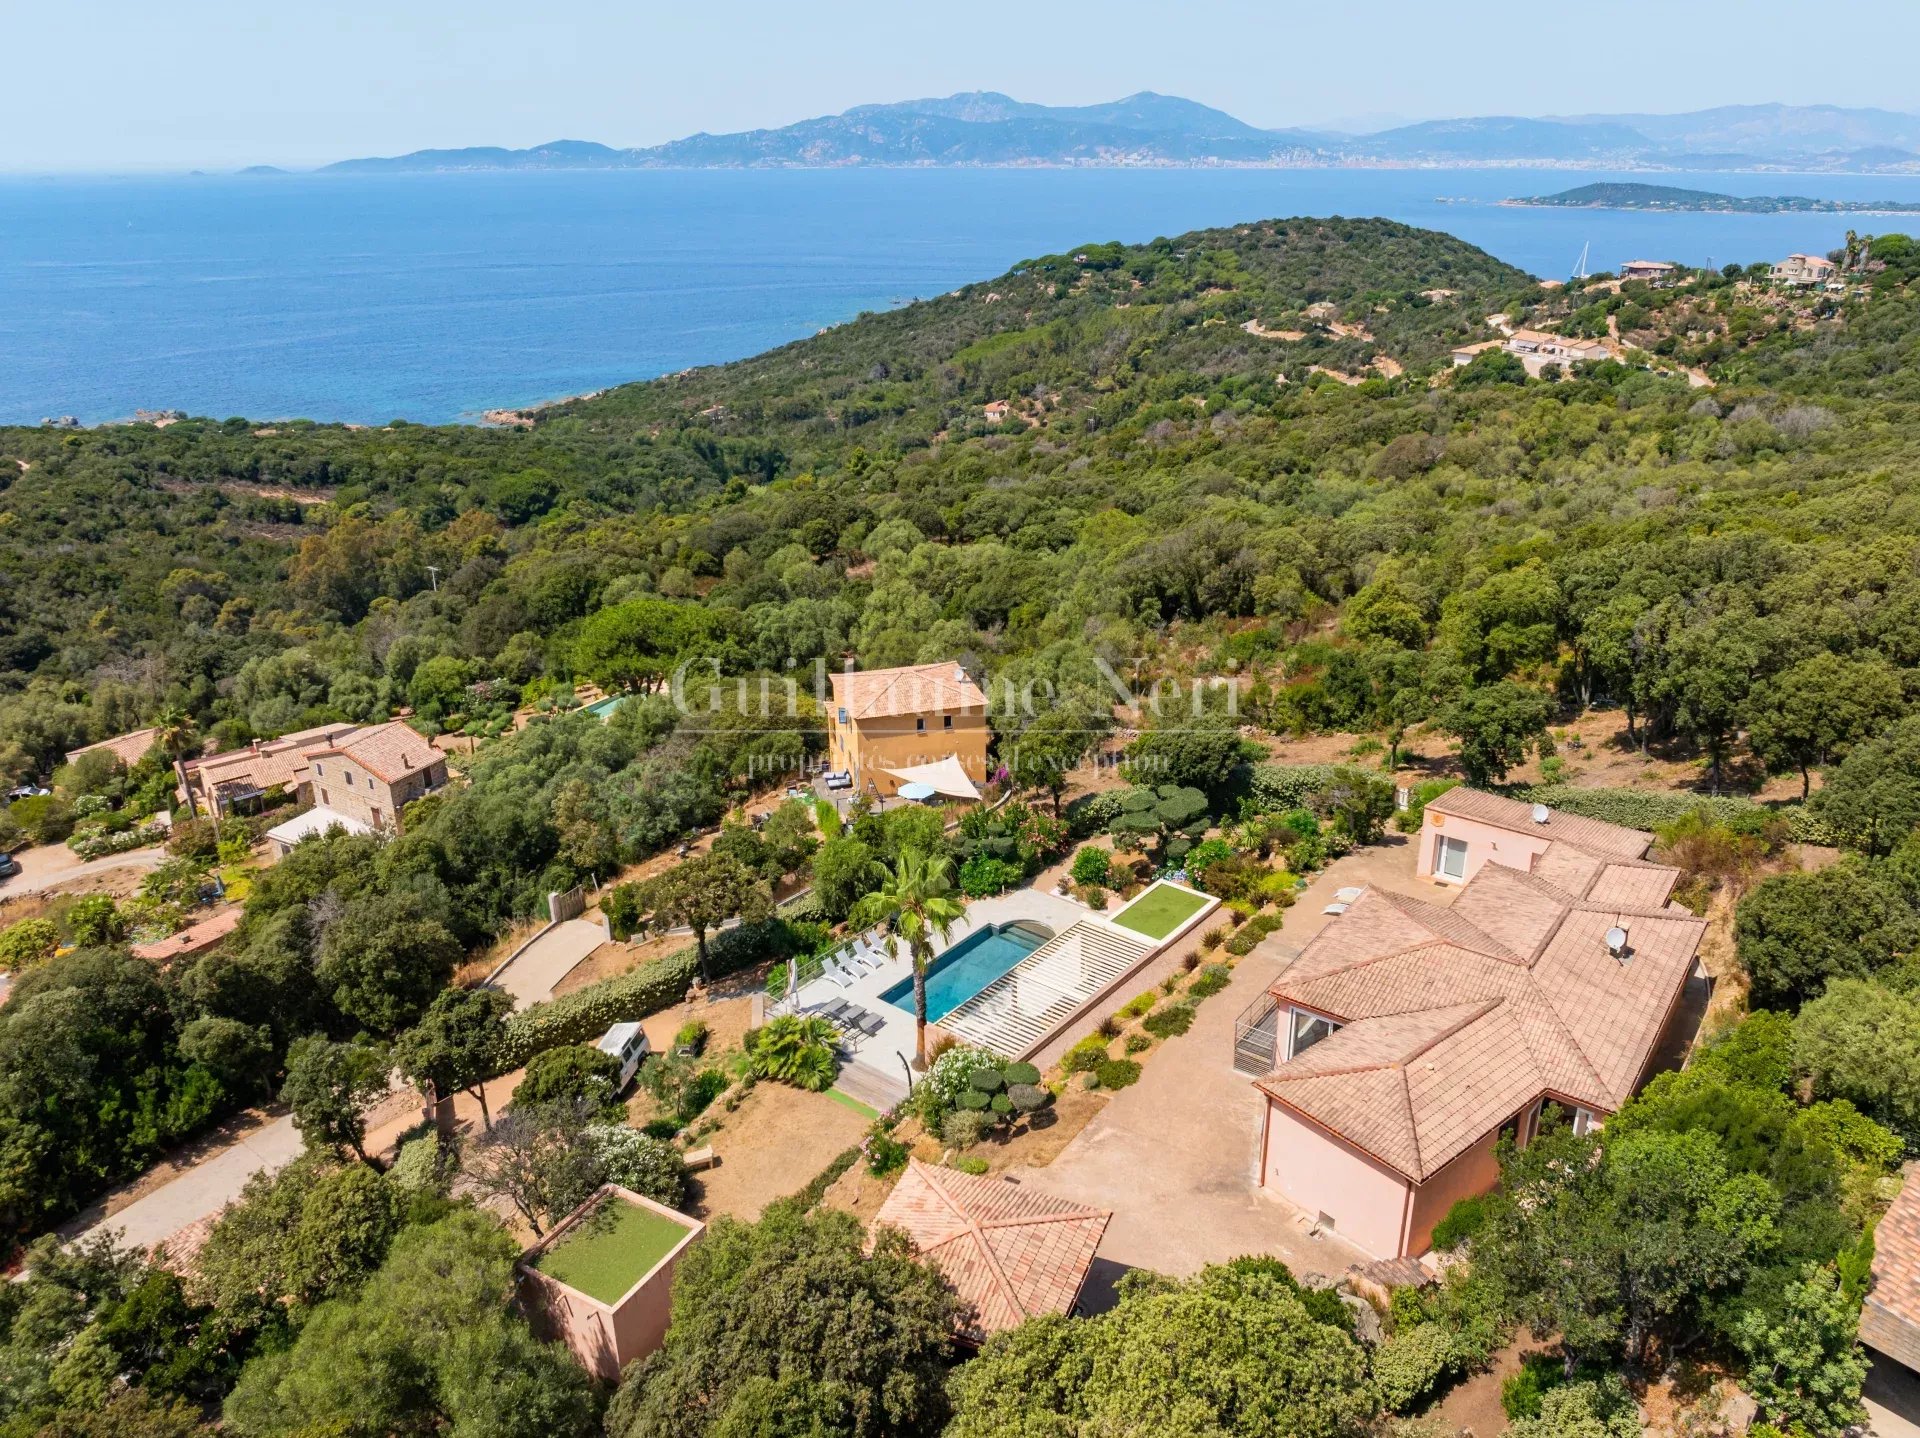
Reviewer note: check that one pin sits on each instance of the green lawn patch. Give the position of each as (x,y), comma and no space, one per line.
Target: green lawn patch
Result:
(611,1249)
(847,1100)
(1158,912)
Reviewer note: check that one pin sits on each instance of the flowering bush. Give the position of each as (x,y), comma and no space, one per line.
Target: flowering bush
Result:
(649,1166)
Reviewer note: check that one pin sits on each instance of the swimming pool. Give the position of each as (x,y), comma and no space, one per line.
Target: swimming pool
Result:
(603,709)
(969,966)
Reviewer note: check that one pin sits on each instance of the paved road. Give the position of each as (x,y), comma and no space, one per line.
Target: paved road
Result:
(202,1190)
(1893,1399)
(534,971)
(51,865)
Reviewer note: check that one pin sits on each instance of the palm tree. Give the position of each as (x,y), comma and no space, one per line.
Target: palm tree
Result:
(914,902)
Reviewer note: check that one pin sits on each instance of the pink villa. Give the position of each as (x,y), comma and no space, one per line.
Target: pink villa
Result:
(1410,1035)
(602,1281)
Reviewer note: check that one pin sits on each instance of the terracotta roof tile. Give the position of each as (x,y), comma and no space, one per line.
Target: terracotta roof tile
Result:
(1608,840)
(1896,1260)
(129,749)
(390,751)
(1547,1008)
(915,689)
(1007,1250)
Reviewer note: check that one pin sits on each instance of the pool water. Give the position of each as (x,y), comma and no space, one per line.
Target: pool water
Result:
(968,967)
(603,709)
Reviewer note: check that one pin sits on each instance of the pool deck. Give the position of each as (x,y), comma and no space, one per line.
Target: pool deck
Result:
(885,1057)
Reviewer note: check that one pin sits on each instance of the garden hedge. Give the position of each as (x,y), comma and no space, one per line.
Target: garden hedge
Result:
(1275,788)
(585,1014)
(1639,809)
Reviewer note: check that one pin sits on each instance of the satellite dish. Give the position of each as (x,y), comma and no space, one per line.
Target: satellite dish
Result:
(1541,813)
(1616,941)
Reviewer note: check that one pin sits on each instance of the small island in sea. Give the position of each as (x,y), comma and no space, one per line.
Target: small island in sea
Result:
(1611,196)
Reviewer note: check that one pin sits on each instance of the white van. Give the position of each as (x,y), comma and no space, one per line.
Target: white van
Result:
(626,1044)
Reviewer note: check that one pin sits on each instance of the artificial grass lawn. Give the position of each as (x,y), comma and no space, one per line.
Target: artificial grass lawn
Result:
(611,1249)
(847,1100)
(1161,912)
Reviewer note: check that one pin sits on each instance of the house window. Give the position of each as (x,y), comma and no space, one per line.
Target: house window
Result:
(324,800)
(1584,1122)
(843,716)
(920,726)
(1306,1030)
(318,771)
(946,721)
(1450,857)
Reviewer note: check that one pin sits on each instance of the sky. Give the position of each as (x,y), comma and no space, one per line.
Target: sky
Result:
(121,85)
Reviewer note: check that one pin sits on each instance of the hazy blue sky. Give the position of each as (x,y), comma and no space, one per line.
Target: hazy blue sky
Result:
(122,84)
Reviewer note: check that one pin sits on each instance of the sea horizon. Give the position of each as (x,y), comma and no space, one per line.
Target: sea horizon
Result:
(435,297)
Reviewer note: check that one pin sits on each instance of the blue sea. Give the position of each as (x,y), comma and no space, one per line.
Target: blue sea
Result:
(435,297)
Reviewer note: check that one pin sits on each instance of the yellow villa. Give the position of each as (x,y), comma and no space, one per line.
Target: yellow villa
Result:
(925,724)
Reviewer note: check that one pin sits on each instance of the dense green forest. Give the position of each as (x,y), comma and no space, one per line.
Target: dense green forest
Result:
(1240,451)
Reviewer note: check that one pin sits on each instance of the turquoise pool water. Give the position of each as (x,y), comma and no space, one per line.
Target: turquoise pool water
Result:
(968,967)
(606,706)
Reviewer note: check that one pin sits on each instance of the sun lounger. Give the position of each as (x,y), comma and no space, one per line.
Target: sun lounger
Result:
(869,1024)
(1350,893)
(833,971)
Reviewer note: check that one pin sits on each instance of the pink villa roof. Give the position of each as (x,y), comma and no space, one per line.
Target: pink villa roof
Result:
(1455,1018)
(129,749)
(1008,1251)
(1594,835)
(915,689)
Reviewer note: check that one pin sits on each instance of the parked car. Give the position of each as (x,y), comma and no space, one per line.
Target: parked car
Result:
(627,1045)
(9,866)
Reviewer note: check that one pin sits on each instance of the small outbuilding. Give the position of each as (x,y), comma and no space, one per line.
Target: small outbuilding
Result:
(602,1281)
(1008,1251)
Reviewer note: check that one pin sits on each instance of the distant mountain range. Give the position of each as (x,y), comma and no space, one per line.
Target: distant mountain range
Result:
(986,128)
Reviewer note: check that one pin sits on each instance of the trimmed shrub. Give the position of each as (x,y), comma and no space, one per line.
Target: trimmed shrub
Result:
(1020,1074)
(1117,1073)
(972,1099)
(986,1080)
(1027,1097)
(964,1128)
(967,1164)
(1084,1056)
(1173,1019)
(1001,1104)
(1138,1043)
